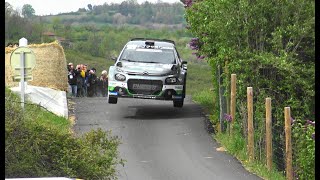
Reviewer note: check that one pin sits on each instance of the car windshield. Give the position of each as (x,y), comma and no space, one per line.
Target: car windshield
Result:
(163,56)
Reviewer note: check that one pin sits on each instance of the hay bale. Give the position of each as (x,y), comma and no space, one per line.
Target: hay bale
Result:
(50,70)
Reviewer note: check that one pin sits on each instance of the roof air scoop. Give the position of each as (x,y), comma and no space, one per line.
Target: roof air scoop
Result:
(149,44)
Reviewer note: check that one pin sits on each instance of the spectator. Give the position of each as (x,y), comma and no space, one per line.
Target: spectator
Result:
(69,86)
(16,45)
(92,82)
(84,74)
(103,83)
(72,80)
(80,80)
(83,82)
(70,66)
(10,45)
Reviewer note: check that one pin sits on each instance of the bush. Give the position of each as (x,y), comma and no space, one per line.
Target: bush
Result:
(304,151)
(36,148)
(276,59)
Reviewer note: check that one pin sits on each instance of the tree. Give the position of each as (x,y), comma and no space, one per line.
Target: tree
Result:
(14,24)
(8,9)
(56,24)
(67,30)
(82,10)
(90,7)
(28,11)
(270,46)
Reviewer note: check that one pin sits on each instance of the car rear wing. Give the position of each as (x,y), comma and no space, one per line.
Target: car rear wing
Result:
(145,39)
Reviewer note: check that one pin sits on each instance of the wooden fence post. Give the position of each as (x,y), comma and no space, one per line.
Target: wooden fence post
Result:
(269,133)
(233,99)
(287,116)
(250,124)
(222,99)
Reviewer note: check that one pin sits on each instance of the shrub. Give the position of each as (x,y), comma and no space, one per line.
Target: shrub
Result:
(304,151)
(36,148)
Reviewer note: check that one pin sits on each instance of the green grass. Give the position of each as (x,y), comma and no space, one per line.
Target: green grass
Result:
(83,58)
(236,146)
(40,144)
(199,84)
(36,113)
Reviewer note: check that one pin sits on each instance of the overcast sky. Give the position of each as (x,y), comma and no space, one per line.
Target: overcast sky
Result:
(47,7)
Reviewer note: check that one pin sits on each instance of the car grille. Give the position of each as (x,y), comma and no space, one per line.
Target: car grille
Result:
(145,87)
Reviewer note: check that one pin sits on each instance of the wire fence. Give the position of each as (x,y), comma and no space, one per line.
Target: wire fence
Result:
(278,142)
(281,161)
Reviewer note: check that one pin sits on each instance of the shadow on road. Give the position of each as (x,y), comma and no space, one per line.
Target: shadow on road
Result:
(154,112)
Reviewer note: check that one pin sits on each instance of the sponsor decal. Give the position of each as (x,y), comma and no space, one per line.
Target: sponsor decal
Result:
(120,84)
(178,87)
(176,97)
(175,87)
(113,93)
(144,86)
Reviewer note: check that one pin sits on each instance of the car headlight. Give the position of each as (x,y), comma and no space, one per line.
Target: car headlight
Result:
(171,80)
(120,77)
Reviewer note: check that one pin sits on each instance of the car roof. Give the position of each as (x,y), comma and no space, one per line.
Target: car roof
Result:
(157,42)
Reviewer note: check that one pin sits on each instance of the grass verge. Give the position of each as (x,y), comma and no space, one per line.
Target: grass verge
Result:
(41,144)
(236,146)
(199,84)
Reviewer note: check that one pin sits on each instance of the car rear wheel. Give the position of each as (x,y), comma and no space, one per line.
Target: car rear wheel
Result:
(112,100)
(178,103)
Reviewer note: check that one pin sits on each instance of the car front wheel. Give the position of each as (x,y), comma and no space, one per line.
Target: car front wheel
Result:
(112,100)
(178,103)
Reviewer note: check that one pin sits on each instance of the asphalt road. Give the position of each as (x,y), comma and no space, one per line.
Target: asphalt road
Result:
(159,141)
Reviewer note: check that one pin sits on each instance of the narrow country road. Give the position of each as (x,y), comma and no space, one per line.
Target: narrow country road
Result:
(159,142)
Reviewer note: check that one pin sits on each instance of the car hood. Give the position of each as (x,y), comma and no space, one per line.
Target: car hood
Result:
(136,68)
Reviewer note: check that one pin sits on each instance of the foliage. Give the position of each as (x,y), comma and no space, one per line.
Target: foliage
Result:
(12,19)
(40,144)
(28,11)
(107,41)
(151,16)
(304,140)
(130,12)
(235,144)
(270,46)
(98,63)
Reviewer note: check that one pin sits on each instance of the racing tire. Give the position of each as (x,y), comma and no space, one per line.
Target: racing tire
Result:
(112,100)
(178,103)
(184,86)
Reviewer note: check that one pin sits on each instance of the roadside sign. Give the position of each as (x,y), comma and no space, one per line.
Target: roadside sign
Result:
(29,62)
(17,78)
(22,62)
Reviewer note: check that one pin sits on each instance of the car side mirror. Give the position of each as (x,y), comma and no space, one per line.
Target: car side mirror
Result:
(184,65)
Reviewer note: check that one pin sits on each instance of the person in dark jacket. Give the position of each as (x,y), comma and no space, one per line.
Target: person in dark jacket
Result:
(72,80)
(92,81)
(85,80)
(103,83)
(80,80)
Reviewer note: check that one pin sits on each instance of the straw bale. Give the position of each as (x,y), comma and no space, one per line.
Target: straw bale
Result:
(50,70)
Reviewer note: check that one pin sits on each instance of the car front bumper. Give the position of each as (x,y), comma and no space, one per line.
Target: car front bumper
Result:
(166,92)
